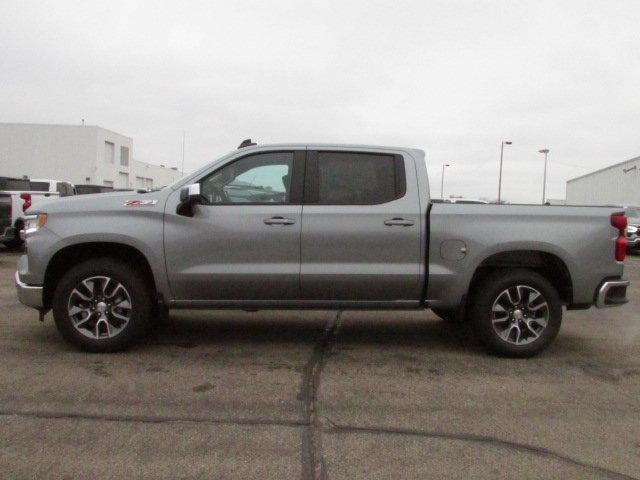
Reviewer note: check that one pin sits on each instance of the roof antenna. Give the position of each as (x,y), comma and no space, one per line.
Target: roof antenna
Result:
(247,143)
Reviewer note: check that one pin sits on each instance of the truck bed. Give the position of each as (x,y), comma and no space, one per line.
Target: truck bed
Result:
(463,236)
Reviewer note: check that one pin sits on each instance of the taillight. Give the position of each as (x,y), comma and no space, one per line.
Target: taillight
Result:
(27,201)
(619,221)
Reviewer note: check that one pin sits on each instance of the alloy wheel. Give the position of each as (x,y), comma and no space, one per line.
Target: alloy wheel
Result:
(99,307)
(520,314)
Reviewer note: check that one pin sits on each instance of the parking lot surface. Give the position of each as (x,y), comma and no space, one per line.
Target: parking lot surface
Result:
(319,395)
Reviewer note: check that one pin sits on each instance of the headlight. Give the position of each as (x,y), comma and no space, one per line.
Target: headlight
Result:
(632,230)
(33,222)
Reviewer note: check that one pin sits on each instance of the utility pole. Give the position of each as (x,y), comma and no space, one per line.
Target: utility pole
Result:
(442,181)
(500,177)
(544,181)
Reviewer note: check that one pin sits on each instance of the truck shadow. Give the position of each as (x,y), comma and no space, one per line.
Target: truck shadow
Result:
(188,329)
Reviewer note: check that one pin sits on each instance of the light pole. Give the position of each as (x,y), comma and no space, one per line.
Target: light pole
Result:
(500,177)
(544,181)
(442,180)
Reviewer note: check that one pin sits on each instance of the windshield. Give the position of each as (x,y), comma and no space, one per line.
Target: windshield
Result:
(201,171)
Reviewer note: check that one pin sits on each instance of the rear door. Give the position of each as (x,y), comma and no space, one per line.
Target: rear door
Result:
(360,228)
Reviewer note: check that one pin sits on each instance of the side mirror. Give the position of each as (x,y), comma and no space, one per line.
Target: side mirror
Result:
(190,194)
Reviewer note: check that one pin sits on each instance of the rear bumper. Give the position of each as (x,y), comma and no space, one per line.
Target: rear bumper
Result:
(633,242)
(612,293)
(29,295)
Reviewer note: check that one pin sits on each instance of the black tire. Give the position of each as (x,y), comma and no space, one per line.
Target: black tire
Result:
(138,289)
(13,244)
(481,313)
(162,319)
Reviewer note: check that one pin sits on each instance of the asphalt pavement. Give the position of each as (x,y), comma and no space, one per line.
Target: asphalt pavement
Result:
(330,395)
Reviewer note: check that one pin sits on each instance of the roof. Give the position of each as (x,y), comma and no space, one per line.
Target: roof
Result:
(337,146)
(616,165)
(61,125)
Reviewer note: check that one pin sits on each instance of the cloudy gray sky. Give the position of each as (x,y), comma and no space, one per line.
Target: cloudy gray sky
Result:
(451,77)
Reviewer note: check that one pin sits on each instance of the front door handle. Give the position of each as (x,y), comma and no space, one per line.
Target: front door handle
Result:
(279,221)
(398,222)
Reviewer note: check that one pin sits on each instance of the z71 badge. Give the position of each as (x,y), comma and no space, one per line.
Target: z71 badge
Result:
(140,203)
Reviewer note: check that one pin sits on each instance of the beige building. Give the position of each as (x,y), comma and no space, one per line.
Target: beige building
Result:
(78,154)
(617,184)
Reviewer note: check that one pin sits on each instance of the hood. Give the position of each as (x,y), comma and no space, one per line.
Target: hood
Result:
(97,202)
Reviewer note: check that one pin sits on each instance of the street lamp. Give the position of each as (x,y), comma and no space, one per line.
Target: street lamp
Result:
(442,180)
(544,181)
(500,178)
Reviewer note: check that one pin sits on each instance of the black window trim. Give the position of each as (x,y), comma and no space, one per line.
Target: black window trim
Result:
(312,186)
(297,178)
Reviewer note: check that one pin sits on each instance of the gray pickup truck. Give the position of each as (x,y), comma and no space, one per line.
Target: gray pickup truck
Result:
(317,227)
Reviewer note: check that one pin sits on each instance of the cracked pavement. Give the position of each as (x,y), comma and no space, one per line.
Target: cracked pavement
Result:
(326,395)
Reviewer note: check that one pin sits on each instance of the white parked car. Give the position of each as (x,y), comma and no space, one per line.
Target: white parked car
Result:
(633,229)
(47,185)
(17,195)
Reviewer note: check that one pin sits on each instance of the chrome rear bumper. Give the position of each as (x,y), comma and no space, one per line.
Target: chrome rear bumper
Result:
(612,293)
(29,295)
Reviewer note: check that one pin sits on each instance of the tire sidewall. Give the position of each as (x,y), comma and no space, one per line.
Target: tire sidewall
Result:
(119,271)
(482,307)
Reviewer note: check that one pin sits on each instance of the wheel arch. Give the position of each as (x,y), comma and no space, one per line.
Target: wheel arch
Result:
(547,264)
(73,255)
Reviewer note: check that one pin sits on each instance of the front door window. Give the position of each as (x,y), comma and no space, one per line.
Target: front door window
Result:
(256,179)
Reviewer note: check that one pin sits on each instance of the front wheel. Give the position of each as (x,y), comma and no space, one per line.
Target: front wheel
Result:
(102,305)
(516,313)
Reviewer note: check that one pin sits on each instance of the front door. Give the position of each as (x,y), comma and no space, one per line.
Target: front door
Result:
(243,242)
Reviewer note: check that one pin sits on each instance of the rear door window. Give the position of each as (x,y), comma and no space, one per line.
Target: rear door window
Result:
(351,178)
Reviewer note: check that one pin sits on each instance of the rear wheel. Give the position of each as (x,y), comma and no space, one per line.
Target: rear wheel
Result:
(102,305)
(516,313)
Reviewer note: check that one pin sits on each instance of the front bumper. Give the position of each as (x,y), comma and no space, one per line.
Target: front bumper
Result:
(29,295)
(612,293)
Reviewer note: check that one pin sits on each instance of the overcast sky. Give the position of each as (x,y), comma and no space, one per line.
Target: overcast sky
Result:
(452,78)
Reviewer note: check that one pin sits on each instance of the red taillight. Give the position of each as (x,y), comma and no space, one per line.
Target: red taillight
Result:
(619,221)
(27,201)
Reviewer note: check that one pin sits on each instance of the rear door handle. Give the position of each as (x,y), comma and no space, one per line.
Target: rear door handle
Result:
(279,221)
(398,222)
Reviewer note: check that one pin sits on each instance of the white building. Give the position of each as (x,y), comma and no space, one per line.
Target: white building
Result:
(77,154)
(618,184)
